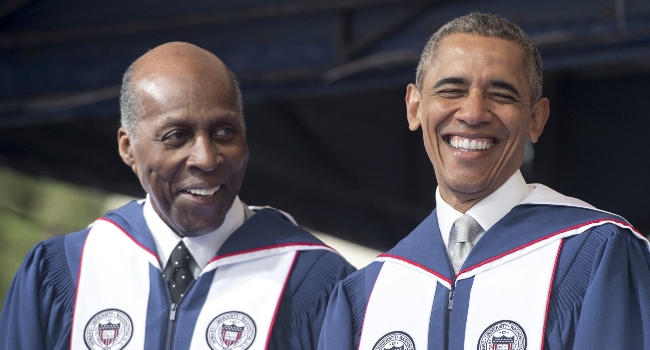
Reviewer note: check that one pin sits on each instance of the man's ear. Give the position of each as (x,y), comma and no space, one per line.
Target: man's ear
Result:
(538,117)
(125,145)
(412,106)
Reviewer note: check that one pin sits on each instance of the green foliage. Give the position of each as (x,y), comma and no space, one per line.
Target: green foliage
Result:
(32,210)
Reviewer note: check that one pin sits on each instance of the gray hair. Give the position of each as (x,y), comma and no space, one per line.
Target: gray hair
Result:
(130,104)
(131,108)
(240,100)
(491,26)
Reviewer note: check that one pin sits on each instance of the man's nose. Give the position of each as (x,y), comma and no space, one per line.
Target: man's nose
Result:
(474,108)
(204,154)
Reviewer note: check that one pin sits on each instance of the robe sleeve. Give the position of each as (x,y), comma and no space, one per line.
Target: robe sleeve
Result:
(338,328)
(346,310)
(604,301)
(37,311)
(302,310)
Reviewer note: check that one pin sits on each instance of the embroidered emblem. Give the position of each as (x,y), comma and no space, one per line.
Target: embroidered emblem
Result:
(110,329)
(231,330)
(503,335)
(395,341)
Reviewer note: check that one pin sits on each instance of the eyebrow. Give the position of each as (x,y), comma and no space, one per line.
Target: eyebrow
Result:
(172,122)
(450,81)
(504,85)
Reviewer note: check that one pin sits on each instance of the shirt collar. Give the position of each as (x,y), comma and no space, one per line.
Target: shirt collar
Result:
(203,248)
(489,210)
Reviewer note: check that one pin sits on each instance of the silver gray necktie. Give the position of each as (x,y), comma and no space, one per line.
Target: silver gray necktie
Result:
(466,229)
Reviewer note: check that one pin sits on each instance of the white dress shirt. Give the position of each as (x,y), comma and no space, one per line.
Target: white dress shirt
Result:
(203,248)
(486,212)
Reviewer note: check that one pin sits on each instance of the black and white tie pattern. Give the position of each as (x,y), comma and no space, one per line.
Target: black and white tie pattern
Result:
(466,229)
(178,271)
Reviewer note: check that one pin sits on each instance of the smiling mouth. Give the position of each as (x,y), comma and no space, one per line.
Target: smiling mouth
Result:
(471,145)
(203,192)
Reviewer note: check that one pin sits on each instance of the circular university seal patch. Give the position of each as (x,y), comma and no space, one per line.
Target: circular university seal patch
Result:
(506,335)
(231,330)
(110,329)
(395,341)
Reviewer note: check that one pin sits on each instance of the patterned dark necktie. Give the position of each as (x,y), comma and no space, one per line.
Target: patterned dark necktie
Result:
(178,271)
(466,229)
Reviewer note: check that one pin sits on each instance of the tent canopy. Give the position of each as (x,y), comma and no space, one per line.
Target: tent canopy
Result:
(323,84)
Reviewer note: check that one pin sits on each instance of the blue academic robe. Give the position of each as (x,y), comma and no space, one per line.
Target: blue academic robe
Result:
(600,296)
(39,306)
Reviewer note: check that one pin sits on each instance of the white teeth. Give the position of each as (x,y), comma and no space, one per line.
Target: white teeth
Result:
(205,192)
(470,145)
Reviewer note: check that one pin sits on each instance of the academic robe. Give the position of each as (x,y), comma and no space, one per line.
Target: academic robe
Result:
(597,271)
(40,305)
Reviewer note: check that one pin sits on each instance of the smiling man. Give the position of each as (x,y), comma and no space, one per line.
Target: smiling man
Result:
(190,266)
(499,264)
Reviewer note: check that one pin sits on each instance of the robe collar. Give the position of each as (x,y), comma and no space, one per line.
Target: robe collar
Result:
(544,215)
(267,229)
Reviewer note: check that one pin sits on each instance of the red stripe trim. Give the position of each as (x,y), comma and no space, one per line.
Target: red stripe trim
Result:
(547,237)
(550,289)
(155,255)
(277,307)
(397,257)
(267,247)
(76,293)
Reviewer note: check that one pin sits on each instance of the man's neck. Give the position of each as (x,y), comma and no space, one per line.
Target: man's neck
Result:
(488,210)
(202,247)
(463,201)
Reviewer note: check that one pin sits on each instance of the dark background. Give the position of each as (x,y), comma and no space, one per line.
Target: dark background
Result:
(324,85)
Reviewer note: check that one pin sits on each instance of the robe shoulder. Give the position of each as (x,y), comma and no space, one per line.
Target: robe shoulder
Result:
(37,311)
(603,275)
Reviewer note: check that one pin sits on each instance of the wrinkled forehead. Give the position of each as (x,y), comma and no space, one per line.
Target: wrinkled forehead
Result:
(182,63)
(198,82)
(183,71)
(469,41)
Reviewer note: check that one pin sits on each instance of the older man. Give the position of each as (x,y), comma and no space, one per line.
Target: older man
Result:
(499,264)
(190,266)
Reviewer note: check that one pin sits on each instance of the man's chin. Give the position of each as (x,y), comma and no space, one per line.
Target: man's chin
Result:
(197,231)
(466,192)
(198,225)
